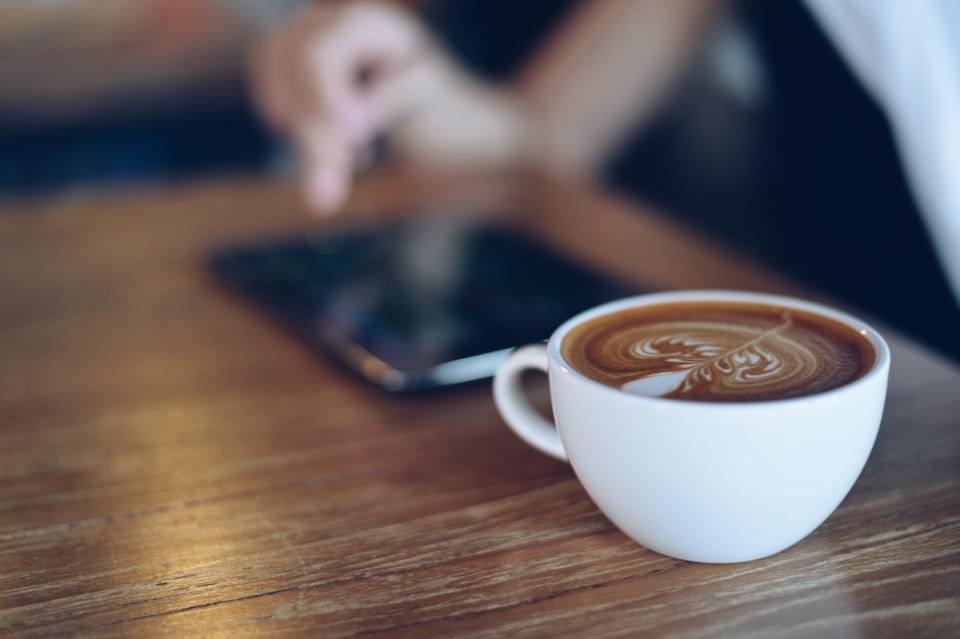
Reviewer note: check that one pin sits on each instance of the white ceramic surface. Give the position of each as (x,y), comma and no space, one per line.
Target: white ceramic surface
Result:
(702,481)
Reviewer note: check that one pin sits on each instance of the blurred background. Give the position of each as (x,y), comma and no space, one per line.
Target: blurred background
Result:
(768,143)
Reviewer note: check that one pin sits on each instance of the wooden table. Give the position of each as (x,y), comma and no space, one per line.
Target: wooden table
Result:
(173,465)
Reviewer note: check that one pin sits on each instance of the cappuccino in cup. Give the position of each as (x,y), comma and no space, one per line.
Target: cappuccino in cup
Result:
(711,426)
(718,351)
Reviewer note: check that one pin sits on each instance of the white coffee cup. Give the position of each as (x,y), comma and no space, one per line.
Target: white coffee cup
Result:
(702,481)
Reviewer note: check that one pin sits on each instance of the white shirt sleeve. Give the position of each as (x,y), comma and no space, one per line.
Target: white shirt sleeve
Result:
(907,55)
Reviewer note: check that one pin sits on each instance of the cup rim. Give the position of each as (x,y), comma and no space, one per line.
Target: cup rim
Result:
(880,347)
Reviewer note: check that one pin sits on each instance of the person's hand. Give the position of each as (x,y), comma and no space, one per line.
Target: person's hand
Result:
(346,71)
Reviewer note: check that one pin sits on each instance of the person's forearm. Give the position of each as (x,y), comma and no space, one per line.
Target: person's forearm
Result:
(606,70)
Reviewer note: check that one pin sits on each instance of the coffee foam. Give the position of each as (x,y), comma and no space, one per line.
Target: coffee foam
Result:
(717,351)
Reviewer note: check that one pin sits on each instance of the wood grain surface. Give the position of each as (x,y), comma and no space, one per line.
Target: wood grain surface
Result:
(171,464)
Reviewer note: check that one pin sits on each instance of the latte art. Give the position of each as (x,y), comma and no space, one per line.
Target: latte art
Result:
(718,352)
(700,357)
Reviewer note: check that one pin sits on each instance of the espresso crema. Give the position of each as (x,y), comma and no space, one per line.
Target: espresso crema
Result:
(718,351)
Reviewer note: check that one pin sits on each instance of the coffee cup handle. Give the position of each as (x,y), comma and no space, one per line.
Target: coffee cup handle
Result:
(515,408)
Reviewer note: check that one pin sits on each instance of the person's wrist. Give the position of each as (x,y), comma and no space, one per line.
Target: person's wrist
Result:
(531,132)
(526,129)
(545,147)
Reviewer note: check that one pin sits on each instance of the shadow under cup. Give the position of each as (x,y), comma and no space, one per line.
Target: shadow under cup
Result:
(703,481)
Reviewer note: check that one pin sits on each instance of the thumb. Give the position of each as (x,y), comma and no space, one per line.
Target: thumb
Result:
(327,165)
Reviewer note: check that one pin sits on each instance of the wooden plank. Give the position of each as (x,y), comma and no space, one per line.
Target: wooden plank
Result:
(173,465)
